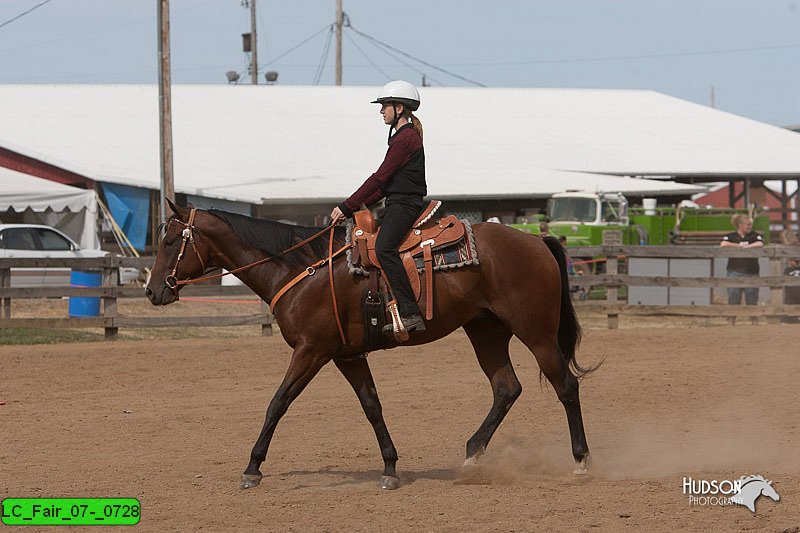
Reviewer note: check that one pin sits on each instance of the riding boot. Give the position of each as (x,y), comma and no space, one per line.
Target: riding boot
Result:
(411,323)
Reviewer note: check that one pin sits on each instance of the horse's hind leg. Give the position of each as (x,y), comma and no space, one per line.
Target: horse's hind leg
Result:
(490,339)
(305,364)
(556,369)
(358,374)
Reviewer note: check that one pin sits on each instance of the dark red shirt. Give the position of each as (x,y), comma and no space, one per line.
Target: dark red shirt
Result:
(402,172)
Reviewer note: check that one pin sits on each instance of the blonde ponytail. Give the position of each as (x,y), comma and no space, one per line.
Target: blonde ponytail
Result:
(417,125)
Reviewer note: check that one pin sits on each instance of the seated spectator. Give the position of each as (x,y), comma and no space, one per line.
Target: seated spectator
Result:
(577,290)
(791,295)
(544,228)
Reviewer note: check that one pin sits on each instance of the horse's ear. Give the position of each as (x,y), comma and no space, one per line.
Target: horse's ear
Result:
(180,212)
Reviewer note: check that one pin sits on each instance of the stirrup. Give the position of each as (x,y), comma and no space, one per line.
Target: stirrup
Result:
(396,328)
(409,324)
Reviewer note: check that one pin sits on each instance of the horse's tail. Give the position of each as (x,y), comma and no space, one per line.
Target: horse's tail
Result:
(569,330)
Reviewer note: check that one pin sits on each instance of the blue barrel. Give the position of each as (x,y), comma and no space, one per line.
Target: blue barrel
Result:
(84,307)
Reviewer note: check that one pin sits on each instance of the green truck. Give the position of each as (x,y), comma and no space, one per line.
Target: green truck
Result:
(590,219)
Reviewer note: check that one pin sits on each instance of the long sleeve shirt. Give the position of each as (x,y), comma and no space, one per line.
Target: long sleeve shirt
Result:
(402,172)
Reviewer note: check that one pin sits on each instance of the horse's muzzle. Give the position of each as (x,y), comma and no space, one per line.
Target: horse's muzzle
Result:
(162,295)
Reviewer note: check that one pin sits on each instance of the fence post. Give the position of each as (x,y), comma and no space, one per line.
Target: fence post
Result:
(775,292)
(611,291)
(5,282)
(266,329)
(110,280)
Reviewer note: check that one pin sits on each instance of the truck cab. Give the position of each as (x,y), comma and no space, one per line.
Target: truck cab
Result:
(585,218)
(587,208)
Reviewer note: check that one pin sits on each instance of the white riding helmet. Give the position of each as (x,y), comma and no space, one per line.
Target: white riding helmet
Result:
(399,91)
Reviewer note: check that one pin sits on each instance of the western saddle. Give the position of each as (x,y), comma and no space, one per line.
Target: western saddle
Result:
(425,236)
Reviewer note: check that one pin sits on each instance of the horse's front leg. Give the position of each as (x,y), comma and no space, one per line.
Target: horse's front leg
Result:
(306,362)
(358,374)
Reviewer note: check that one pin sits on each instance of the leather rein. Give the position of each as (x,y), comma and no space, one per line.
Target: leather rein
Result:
(187,236)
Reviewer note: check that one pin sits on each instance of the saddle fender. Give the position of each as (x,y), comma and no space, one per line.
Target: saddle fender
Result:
(424,237)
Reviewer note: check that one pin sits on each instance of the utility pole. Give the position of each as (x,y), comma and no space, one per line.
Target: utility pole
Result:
(165,108)
(253,44)
(713,98)
(339,23)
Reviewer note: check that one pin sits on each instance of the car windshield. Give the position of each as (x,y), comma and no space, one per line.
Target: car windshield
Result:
(573,209)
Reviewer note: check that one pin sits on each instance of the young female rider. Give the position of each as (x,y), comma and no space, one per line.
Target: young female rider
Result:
(401,179)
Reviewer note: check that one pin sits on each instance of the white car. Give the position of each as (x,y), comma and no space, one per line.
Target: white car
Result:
(35,241)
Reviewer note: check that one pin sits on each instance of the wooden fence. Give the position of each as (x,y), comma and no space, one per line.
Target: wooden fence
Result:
(109,292)
(611,281)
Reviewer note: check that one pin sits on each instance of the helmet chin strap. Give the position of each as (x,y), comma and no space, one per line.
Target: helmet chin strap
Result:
(395,120)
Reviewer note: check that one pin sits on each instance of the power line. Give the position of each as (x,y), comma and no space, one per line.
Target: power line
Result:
(324,58)
(105,29)
(289,51)
(409,65)
(374,65)
(37,6)
(623,58)
(440,69)
(295,47)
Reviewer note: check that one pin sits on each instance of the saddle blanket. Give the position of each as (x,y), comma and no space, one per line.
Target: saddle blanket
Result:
(453,255)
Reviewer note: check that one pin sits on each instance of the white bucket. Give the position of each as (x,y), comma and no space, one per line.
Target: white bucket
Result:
(649,205)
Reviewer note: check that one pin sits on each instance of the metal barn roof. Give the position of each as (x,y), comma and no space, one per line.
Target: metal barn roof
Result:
(294,144)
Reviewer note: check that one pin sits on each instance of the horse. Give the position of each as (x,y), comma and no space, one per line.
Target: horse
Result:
(520,288)
(751,488)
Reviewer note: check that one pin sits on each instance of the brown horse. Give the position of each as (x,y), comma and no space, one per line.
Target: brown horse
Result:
(520,288)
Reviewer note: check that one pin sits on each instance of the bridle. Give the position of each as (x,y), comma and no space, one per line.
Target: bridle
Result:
(187,236)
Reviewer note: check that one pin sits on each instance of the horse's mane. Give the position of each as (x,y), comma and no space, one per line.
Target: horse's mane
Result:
(272,238)
(747,479)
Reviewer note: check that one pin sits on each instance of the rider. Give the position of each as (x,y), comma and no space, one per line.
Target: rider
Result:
(401,179)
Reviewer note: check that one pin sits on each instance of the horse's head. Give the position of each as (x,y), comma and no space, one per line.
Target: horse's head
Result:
(768,491)
(180,256)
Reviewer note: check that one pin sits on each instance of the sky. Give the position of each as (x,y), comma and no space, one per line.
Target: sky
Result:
(747,50)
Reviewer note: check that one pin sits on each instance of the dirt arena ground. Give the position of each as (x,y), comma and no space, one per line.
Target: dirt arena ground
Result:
(171,422)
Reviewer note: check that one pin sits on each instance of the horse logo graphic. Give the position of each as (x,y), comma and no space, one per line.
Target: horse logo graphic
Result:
(751,488)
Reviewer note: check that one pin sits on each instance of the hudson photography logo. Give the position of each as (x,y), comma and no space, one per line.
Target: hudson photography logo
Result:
(743,491)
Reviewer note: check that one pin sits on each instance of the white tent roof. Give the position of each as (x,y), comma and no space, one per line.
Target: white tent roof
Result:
(21,191)
(290,144)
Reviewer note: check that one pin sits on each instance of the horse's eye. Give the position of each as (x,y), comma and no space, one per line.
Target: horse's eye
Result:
(169,242)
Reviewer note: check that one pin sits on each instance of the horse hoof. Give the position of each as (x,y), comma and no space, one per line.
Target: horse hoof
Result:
(250,480)
(389,482)
(472,473)
(580,468)
(471,462)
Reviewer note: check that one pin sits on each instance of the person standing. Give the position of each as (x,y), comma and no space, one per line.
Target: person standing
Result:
(401,179)
(742,267)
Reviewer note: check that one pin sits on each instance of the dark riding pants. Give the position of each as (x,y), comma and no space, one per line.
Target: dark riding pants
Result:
(401,213)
